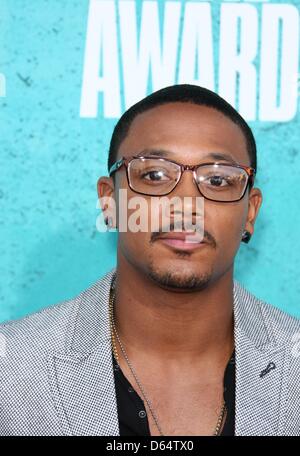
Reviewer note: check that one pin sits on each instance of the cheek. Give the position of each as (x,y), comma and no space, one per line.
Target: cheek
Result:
(134,247)
(226,224)
(134,215)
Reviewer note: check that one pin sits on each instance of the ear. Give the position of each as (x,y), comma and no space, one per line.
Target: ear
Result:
(255,201)
(105,190)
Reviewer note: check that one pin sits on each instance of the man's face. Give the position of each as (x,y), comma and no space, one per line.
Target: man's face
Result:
(190,133)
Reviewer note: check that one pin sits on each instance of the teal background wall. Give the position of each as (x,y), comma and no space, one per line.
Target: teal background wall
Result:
(51,157)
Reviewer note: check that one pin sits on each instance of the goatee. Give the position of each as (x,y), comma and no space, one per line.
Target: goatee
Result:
(179,281)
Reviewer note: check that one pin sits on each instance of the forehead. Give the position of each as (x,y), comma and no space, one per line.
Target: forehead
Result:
(188,131)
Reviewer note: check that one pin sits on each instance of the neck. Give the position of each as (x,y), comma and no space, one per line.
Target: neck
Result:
(165,324)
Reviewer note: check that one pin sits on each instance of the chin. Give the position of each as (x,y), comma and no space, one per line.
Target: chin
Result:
(180,280)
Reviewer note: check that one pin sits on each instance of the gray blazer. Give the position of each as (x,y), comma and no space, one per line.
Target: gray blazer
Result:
(56,373)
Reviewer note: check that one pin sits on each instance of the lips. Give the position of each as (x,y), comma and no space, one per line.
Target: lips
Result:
(183,241)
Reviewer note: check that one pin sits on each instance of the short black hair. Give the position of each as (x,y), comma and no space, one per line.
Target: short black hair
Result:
(186,93)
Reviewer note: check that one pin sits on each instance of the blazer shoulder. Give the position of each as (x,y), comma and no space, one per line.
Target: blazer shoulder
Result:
(282,325)
(45,328)
(49,328)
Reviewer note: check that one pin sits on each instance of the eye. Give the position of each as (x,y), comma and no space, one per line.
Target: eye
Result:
(218,181)
(154,175)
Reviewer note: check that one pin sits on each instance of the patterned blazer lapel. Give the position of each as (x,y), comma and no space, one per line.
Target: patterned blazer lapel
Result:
(261,369)
(84,393)
(82,378)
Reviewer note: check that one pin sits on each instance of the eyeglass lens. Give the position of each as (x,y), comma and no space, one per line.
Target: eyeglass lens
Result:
(158,177)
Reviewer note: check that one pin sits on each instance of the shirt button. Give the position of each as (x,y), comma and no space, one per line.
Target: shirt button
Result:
(116,367)
(130,389)
(142,413)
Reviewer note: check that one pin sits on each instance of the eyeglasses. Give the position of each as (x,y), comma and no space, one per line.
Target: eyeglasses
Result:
(222,182)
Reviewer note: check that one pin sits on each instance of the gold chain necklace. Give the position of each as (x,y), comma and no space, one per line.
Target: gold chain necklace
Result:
(115,352)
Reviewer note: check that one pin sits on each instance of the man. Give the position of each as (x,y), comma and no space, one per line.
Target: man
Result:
(167,343)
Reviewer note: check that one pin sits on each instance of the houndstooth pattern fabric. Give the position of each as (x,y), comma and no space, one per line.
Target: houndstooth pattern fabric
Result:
(56,372)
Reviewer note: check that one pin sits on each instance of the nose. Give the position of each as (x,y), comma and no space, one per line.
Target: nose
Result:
(191,206)
(187,186)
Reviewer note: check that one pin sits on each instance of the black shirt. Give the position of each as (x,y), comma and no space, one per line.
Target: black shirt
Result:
(132,414)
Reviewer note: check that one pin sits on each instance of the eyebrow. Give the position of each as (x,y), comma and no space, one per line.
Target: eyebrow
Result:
(168,153)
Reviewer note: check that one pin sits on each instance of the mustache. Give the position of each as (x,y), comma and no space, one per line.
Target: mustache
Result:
(207,236)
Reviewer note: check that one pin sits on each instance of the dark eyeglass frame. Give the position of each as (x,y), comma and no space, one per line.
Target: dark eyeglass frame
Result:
(124,161)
